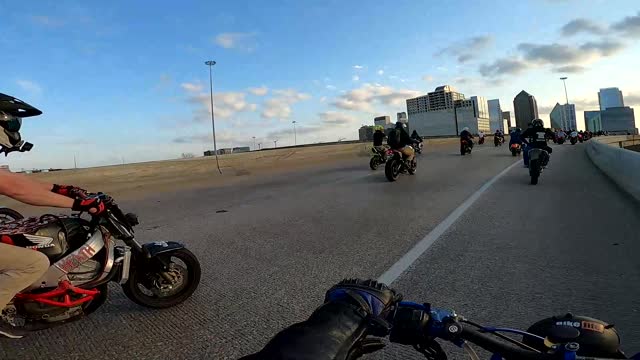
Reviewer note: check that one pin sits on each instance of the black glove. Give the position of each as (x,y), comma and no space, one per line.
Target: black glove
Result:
(71,191)
(94,206)
(338,329)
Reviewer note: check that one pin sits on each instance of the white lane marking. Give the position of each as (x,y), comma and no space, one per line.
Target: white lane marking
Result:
(410,257)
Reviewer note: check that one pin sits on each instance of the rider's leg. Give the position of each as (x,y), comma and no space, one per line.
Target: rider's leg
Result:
(408,152)
(19,268)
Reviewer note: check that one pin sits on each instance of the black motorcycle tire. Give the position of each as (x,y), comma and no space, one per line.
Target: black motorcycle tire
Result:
(412,168)
(392,169)
(534,172)
(9,215)
(514,153)
(133,292)
(373,163)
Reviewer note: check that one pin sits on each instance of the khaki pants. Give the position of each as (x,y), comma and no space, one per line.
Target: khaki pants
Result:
(19,268)
(408,152)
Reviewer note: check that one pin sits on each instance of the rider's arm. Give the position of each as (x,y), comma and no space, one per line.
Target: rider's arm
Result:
(32,192)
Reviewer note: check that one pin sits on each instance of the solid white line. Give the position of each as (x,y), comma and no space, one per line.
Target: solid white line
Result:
(410,257)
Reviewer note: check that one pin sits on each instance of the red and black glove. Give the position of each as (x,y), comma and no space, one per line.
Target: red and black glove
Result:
(94,206)
(71,191)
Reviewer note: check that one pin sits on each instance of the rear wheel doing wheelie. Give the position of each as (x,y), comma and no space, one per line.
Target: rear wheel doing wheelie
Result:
(158,288)
(392,169)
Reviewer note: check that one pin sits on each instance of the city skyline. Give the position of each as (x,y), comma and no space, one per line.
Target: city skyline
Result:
(132,76)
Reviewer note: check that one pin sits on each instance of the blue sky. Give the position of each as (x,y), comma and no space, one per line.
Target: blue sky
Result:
(127,79)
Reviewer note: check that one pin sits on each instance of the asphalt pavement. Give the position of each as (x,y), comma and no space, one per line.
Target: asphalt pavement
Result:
(270,248)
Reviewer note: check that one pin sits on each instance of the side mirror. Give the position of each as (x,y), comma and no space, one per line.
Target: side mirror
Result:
(26,147)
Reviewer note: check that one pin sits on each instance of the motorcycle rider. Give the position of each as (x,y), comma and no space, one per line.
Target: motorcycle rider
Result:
(561,134)
(417,139)
(534,137)
(465,134)
(481,137)
(399,140)
(21,267)
(378,138)
(499,135)
(515,137)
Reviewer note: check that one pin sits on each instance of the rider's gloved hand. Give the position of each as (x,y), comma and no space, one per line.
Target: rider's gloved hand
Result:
(94,205)
(338,329)
(71,191)
(372,297)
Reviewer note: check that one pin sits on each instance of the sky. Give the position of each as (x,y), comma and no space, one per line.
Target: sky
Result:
(126,81)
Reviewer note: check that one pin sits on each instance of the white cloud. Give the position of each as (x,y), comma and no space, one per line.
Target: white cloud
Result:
(226,104)
(380,72)
(259,91)
(279,106)
(330,87)
(323,99)
(30,86)
(363,98)
(467,49)
(428,78)
(358,67)
(241,41)
(355,78)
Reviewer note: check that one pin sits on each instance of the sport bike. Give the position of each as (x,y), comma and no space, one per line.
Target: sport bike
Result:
(379,157)
(498,140)
(417,147)
(85,256)
(465,147)
(565,337)
(397,164)
(516,149)
(538,159)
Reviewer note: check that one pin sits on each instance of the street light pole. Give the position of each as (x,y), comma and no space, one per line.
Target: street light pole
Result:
(259,146)
(455,117)
(275,144)
(295,137)
(210,63)
(566,118)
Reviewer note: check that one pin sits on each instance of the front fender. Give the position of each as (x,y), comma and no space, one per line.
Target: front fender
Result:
(154,249)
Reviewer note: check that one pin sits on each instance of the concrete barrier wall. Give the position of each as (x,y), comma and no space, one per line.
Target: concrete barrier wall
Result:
(621,165)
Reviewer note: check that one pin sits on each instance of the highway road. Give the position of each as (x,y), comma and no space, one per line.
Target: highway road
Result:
(508,253)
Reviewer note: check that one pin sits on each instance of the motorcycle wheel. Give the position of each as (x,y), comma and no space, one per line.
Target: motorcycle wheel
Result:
(392,170)
(373,164)
(513,152)
(9,215)
(534,172)
(413,167)
(148,288)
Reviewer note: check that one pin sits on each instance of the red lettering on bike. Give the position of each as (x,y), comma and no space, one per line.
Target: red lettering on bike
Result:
(73,261)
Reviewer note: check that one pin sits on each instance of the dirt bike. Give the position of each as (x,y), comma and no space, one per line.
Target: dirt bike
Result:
(397,165)
(516,149)
(379,157)
(538,159)
(9,215)
(465,147)
(85,257)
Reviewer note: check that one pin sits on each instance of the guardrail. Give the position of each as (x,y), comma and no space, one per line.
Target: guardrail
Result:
(619,164)
(635,140)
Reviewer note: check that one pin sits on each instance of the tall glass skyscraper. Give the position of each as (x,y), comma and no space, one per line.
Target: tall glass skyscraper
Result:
(610,97)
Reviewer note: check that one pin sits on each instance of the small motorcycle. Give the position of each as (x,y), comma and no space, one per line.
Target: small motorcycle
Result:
(516,149)
(497,141)
(396,165)
(580,138)
(465,147)
(84,258)
(481,141)
(560,141)
(538,159)
(573,139)
(379,157)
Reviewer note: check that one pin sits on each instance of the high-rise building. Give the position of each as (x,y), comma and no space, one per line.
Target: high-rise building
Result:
(382,120)
(592,120)
(506,116)
(365,133)
(525,108)
(495,115)
(610,97)
(435,113)
(618,120)
(563,117)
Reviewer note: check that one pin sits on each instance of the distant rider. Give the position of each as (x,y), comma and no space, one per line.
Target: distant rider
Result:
(515,137)
(378,138)
(499,135)
(416,137)
(561,134)
(465,134)
(535,137)
(481,137)
(399,140)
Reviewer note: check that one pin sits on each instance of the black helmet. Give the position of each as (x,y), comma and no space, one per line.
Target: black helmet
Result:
(12,111)
(400,125)
(537,123)
(595,337)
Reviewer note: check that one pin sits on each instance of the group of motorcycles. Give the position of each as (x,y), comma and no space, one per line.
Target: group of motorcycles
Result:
(394,161)
(85,256)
